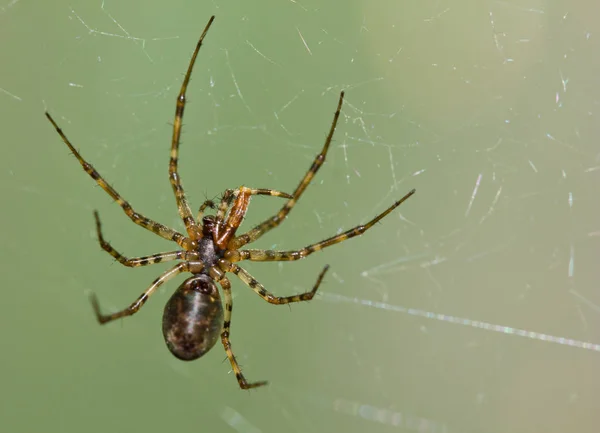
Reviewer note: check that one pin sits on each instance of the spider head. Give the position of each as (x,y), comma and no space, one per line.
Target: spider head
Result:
(208,225)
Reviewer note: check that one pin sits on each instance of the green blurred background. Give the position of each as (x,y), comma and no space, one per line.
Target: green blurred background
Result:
(472,308)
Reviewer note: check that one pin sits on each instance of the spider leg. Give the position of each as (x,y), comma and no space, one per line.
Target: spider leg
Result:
(139,302)
(225,231)
(207,203)
(226,285)
(260,290)
(135,262)
(277,219)
(230,194)
(182,205)
(157,228)
(268,255)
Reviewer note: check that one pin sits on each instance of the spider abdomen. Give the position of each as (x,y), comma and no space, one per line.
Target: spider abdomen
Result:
(193,318)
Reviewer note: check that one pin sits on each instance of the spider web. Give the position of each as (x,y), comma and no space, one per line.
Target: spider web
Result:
(472,307)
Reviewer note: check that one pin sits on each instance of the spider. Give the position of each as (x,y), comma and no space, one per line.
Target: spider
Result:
(194,317)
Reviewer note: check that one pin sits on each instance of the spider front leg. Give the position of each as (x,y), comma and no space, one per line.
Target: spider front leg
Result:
(182,205)
(228,197)
(231,194)
(139,219)
(206,204)
(244,384)
(195,267)
(225,231)
(260,290)
(134,262)
(274,221)
(269,255)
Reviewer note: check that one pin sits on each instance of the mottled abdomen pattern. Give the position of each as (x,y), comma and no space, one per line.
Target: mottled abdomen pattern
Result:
(193,318)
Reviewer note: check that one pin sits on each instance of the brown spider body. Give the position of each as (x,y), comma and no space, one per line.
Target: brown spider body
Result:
(194,317)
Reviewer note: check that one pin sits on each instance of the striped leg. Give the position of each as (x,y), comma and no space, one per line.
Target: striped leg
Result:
(133,308)
(230,194)
(268,255)
(228,197)
(274,221)
(207,203)
(184,208)
(226,285)
(260,290)
(226,231)
(139,219)
(135,262)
